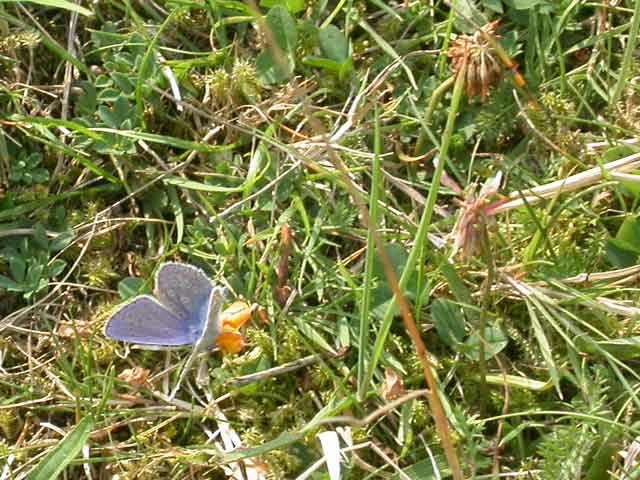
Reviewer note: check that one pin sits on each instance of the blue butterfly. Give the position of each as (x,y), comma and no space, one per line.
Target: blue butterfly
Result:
(185,311)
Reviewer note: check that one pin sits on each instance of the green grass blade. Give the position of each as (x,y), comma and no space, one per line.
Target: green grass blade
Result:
(25,208)
(166,140)
(545,347)
(145,64)
(57,460)
(363,341)
(389,50)
(64,4)
(178,214)
(56,122)
(627,59)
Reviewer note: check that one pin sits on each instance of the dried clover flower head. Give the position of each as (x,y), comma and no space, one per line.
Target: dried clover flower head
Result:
(483,68)
(474,209)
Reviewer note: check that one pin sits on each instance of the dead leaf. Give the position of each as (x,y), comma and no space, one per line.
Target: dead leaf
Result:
(136,376)
(78,328)
(393,386)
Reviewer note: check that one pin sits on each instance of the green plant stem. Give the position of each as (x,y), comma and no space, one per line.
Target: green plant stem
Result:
(435,403)
(482,324)
(433,101)
(333,14)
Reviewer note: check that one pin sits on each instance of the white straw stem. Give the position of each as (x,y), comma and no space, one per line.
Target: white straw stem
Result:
(569,184)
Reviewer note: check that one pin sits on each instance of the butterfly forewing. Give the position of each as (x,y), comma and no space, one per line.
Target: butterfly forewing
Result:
(144,321)
(185,290)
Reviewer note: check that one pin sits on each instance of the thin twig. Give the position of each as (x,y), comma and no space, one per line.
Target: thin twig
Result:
(285,368)
(373,416)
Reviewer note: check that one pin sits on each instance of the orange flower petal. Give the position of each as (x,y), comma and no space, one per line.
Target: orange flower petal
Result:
(230,342)
(236,314)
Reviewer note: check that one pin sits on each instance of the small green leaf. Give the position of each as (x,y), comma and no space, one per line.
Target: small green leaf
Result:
(40,175)
(632,187)
(449,321)
(624,249)
(120,112)
(277,67)
(40,237)
(58,458)
(456,285)
(61,241)
(333,44)
(313,335)
(56,267)
(495,342)
(398,257)
(34,276)
(620,254)
(283,28)
(17,265)
(272,72)
(629,233)
(327,64)
(468,10)
(7,284)
(129,287)
(495,5)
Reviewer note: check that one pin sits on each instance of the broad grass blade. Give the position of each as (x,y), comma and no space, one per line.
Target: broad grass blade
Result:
(57,460)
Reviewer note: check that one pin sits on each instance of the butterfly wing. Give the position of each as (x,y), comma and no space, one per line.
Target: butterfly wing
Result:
(186,291)
(145,321)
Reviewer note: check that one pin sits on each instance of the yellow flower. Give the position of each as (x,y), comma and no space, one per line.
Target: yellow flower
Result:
(235,316)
